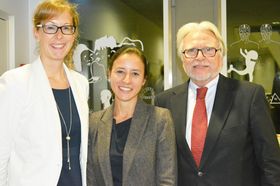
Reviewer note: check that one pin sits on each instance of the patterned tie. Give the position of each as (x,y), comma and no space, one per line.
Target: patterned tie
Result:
(199,125)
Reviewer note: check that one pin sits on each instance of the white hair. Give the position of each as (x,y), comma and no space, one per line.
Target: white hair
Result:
(192,27)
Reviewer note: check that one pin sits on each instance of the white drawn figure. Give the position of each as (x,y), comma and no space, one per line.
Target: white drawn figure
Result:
(104,42)
(148,93)
(269,59)
(92,60)
(266,32)
(77,56)
(132,42)
(111,43)
(105,97)
(275,100)
(93,63)
(250,57)
(244,34)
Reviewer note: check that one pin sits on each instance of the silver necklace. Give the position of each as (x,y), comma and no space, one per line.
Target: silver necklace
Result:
(68,131)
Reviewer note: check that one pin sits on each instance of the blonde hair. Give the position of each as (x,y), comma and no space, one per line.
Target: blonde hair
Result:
(191,27)
(51,8)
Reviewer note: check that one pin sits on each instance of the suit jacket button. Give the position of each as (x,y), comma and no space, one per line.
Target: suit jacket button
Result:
(200,173)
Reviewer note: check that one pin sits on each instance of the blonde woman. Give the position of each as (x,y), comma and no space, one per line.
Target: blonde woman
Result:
(43,110)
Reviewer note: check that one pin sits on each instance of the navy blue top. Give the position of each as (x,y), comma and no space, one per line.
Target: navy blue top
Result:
(69,177)
(118,140)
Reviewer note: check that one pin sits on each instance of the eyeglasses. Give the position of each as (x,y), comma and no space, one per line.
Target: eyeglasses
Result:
(52,29)
(206,52)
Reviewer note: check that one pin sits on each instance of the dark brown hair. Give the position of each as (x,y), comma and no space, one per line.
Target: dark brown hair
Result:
(129,50)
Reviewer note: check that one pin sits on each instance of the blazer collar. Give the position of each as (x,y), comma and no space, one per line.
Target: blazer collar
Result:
(137,128)
(42,82)
(103,147)
(138,124)
(179,109)
(179,103)
(221,108)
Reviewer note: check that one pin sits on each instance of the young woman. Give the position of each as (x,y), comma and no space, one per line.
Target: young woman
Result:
(43,110)
(131,142)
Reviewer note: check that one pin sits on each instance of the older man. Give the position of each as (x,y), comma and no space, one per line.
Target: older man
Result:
(224,132)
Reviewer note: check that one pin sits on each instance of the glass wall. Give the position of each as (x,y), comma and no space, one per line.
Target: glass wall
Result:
(108,24)
(253,43)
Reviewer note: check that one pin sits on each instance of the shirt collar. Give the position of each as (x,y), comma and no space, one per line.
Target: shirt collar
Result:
(209,85)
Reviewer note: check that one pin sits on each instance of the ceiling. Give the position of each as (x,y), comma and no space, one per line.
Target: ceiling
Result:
(151,9)
(254,12)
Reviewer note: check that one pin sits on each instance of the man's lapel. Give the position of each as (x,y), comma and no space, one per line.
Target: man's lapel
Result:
(179,104)
(221,108)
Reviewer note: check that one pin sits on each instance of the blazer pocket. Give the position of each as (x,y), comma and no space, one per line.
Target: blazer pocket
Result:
(234,135)
(234,127)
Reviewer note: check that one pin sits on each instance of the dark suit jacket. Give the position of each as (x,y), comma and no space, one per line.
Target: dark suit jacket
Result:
(149,157)
(240,148)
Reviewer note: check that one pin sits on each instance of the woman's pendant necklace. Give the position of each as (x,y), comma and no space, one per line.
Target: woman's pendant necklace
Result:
(68,131)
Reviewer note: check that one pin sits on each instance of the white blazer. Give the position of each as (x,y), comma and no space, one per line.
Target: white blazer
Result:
(30,130)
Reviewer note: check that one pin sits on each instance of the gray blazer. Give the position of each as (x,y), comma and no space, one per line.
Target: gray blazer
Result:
(149,157)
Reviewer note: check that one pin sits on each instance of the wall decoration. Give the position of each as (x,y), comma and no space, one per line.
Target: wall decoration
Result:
(93,64)
(253,48)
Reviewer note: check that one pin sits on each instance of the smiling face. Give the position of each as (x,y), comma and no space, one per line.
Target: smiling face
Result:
(127,76)
(202,69)
(54,47)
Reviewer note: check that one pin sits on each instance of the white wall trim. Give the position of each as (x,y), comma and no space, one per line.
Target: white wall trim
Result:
(11,41)
(223,18)
(167,44)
